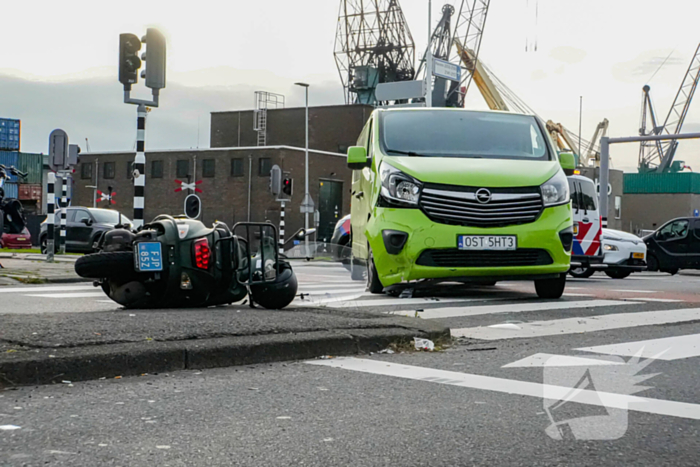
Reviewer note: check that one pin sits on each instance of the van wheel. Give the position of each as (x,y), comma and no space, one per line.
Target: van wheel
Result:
(582,272)
(551,288)
(44,245)
(373,283)
(617,274)
(652,263)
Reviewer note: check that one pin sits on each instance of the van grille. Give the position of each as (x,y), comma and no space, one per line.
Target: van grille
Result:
(455,205)
(454,258)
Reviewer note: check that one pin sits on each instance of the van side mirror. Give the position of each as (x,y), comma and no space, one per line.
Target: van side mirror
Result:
(567,162)
(357,157)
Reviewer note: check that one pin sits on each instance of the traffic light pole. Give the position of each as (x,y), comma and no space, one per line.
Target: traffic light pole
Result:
(64,208)
(50,217)
(282,215)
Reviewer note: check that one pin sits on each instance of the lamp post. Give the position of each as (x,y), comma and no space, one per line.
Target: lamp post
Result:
(307,204)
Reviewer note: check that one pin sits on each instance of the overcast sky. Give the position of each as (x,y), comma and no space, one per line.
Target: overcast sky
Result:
(58,63)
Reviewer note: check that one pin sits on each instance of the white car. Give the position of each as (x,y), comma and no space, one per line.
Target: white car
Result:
(624,252)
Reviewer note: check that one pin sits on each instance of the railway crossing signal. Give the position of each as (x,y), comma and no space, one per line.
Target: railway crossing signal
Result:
(109,196)
(188,186)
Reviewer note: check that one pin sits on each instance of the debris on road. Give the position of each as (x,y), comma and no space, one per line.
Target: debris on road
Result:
(424,344)
(388,351)
(9,427)
(406,293)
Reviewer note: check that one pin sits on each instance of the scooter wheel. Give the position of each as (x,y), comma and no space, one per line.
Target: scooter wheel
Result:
(277,295)
(106,265)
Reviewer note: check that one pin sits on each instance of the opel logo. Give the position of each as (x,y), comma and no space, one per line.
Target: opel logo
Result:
(483,195)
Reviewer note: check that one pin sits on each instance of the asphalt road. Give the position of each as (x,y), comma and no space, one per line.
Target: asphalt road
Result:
(501,395)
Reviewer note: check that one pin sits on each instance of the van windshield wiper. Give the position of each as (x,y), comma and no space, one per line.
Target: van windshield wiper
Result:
(408,153)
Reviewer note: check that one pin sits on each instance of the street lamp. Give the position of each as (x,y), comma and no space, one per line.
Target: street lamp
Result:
(307,204)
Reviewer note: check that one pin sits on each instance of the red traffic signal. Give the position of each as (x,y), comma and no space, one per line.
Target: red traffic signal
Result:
(287,186)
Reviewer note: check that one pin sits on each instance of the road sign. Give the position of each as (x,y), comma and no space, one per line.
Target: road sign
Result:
(447,70)
(307,205)
(188,186)
(193,206)
(696,213)
(58,150)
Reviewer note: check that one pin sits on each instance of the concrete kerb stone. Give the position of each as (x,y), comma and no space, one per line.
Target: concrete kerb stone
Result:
(47,366)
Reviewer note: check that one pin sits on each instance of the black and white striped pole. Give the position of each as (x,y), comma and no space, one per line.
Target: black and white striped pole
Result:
(50,216)
(282,213)
(154,74)
(64,206)
(140,167)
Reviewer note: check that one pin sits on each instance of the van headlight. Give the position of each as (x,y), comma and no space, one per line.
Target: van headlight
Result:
(555,191)
(397,187)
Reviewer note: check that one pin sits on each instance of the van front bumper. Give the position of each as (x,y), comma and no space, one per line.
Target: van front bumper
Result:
(412,258)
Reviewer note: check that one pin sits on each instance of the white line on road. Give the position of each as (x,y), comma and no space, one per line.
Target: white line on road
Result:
(667,348)
(558,327)
(578,295)
(437,313)
(61,288)
(540,360)
(510,386)
(662,300)
(399,301)
(68,295)
(633,291)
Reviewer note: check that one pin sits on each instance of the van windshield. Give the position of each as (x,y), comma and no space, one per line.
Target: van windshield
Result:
(445,133)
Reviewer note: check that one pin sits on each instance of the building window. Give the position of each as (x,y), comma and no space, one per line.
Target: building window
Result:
(236,167)
(208,168)
(86,171)
(264,167)
(108,170)
(157,169)
(129,170)
(183,168)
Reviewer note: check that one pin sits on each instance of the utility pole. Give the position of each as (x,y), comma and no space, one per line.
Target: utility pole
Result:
(429,60)
(308,204)
(580,115)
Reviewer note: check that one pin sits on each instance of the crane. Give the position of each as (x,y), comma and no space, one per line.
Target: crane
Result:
(440,45)
(658,156)
(591,156)
(372,45)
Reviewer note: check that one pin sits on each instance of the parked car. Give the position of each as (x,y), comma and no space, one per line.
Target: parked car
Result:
(84,227)
(460,196)
(340,241)
(624,253)
(15,241)
(586,256)
(674,246)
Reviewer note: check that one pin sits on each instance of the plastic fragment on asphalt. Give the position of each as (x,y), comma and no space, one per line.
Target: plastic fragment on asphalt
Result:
(284,418)
(117,377)
(388,351)
(102,445)
(406,293)
(423,344)
(326,357)
(163,447)
(9,427)
(327,440)
(65,382)
(132,315)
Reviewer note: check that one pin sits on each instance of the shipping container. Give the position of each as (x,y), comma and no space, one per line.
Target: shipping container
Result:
(29,192)
(9,134)
(33,166)
(11,190)
(9,159)
(654,183)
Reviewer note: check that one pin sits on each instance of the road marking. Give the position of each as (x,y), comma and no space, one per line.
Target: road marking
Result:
(399,301)
(68,295)
(333,287)
(63,288)
(662,300)
(634,291)
(667,348)
(578,295)
(557,327)
(437,313)
(540,360)
(510,386)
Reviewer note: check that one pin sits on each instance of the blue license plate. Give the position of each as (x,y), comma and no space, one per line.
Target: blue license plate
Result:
(149,257)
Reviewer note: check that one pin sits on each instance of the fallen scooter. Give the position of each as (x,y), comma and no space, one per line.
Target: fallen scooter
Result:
(179,263)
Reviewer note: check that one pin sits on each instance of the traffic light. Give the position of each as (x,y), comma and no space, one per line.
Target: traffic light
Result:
(154,56)
(275,180)
(287,186)
(129,62)
(73,155)
(193,206)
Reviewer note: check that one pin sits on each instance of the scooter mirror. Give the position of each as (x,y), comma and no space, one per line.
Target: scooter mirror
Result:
(303,233)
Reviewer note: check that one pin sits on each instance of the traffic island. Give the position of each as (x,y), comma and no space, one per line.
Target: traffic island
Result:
(32,269)
(52,348)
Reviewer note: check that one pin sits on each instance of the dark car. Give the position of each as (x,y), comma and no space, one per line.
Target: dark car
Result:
(340,241)
(84,226)
(674,246)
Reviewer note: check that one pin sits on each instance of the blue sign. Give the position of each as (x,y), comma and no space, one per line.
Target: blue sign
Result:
(696,213)
(150,256)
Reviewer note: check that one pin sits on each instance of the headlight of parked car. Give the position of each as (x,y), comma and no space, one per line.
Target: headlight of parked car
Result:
(555,191)
(608,247)
(397,187)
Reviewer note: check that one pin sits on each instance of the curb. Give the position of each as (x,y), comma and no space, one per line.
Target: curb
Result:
(46,280)
(48,366)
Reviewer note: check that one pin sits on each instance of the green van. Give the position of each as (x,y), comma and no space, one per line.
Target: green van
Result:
(459,196)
